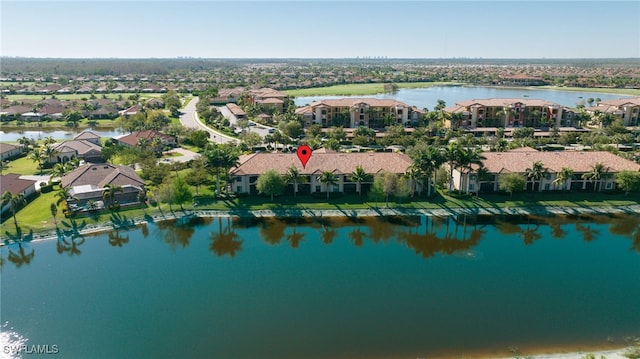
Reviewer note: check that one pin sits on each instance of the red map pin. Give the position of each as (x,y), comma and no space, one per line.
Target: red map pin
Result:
(304,153)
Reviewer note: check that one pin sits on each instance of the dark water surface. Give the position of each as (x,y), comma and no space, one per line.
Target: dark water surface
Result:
(367,287)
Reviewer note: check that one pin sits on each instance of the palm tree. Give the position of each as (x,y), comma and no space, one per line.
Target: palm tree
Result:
(48,151)
(63,195)
(14,201)
(483,176)
(328,179)
(109,193)
(467,158)
(597,174)
(293,176)
(452,155)
(563,177)
(537,172)
(36,156)
(358,176)
(429,159)
(58,170)
(414,174)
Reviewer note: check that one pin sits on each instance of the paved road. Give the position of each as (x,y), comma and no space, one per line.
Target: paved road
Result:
(189,119)
(258,128)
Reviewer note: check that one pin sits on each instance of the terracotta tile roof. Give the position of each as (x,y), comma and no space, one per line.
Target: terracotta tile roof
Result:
(270,100)
(519,160)
(11,182)
(100,175)
(505,102)
(235,109)
(132,138)
(621,102)
(339,163)
(8,147)
(86,134)
(80,146)
(350,102)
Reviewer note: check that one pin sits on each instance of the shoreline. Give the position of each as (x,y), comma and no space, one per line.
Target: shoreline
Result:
(320,213)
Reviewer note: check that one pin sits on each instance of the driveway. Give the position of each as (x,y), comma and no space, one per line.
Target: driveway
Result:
(185,156)
(257,128)
(189,119)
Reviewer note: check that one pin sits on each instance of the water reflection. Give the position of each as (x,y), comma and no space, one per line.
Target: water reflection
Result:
(225,242)
(20,256)
(175,234)
(295,237)
(117,240)
(69,245)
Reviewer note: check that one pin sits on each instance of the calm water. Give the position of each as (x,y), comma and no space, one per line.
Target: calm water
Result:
(401,287)
(428,97)
(13,136)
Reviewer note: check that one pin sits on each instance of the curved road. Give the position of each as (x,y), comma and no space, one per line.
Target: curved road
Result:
(189,119)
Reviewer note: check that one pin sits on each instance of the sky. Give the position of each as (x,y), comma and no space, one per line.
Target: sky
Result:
(320,29)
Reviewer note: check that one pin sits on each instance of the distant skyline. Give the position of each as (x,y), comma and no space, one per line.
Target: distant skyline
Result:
(327,29)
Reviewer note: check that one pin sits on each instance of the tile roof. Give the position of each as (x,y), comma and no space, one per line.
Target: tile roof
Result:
(11,182)
(505,102)
(80,146)
(132,138)
(519,160)
(100,175)
(622,101)
(350,102)
(86,134)
(8,147)
(339,163)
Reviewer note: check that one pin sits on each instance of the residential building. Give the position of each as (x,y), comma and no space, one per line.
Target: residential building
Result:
(625,109)
(11,182)
(134,138)
(87,183)
(9,151)
(237,111)
(342,165)
(86,145)
(518,160)
(355,112)
(504,112)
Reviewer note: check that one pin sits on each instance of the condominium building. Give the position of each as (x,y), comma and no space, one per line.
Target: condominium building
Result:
(355,112)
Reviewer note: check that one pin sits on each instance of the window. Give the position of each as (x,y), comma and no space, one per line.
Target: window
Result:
(609,185)
(238,179)
(362,110)
(239,189)
(546,187)
(361,117)
(317,188)
(471,186)
(324,112)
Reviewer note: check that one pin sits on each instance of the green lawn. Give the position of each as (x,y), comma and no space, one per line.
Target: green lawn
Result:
(615,91)
(359,89)
(24,166)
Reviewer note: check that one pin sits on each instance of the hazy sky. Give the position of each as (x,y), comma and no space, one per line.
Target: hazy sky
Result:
(314,29)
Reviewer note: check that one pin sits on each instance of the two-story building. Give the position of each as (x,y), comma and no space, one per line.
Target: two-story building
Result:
(519,160)
(342,165)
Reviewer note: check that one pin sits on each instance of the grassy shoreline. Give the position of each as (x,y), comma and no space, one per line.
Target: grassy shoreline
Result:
(36,217)
(378,88)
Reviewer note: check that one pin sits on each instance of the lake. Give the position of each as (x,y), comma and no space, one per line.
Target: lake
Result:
(300,288)
(13,135)
(428,97)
